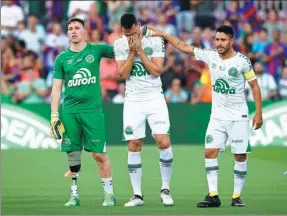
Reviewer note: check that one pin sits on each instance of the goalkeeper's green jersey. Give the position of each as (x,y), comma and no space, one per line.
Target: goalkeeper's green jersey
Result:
(80,74)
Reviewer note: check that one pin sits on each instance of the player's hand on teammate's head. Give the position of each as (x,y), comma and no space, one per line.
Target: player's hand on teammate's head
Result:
(152,31)
(257,121)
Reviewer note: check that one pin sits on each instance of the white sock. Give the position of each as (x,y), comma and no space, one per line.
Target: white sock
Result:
(108,185)
(240,171)
(135,171)
(74,190)
(74,187)
(165,164)
(212,171)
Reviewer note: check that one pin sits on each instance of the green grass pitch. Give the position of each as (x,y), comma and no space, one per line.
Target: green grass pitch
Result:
(33,182)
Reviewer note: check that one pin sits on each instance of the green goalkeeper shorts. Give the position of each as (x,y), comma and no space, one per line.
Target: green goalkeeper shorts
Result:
(84,131)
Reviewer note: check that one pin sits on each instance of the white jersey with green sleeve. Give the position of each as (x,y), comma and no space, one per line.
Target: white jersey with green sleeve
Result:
(141,85)
(228,84)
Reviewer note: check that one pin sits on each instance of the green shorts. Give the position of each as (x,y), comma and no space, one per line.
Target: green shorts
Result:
(84,131)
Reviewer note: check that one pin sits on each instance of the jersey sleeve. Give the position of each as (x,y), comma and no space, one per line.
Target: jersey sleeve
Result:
(119,52)
(58,68)
(107,50)
(204,55)
(158,47)
(248,71)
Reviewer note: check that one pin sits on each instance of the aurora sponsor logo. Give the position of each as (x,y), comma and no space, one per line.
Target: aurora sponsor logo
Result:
(221,86)
(21,128)
(139,70)
(82,77)
(274,128)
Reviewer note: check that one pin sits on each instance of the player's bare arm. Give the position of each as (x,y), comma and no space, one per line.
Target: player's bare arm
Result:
(125,66)
(257,120)
(153,66)
(175,41)
(56,94)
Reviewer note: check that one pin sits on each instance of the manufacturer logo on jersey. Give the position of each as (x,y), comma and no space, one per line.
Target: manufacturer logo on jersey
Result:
(213,65)
(82,77)
(233,72)
(70,61)
(129,130)
(90,58)
(148,51)
(209,139)
(221,86)
(138,69)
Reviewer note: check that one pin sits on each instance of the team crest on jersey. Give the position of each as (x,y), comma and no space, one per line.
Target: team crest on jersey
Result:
(148,51)
(209,139)
(129,130)
(233,72)
(90,58)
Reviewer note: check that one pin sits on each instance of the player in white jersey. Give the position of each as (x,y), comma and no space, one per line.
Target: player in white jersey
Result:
(229,117)
(140,61)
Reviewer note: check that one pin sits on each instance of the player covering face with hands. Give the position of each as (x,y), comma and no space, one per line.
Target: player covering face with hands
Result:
(140,61)
(229,121)
(82,123)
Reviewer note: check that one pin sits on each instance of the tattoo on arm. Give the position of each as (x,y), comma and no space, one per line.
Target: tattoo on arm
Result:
(178,42)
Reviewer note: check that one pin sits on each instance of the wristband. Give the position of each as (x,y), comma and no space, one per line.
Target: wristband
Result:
(54,115)
(132,52)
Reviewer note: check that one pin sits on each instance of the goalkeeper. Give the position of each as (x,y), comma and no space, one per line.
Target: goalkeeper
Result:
(82,121)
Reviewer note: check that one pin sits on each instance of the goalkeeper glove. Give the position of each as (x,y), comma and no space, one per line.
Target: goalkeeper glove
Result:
(57,128)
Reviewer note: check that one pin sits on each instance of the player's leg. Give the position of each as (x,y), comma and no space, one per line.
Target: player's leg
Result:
(215,139)
(238,133)
(134,120)
(158,119)
(93,124)
(71,143)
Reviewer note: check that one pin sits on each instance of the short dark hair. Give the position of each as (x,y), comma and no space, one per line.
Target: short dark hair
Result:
(128,20)
(228,30)
(75,19)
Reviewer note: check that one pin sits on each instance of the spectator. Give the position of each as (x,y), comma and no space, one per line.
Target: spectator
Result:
(145,17)
(170,9)
(79,9)
(116,10)
(233,15)
(202,90)
(31,90)
(266,82)
(96,37)
(184,17)
(105,95)
(33,36)
(120,97)
(283,84)
(94,21)
(21,26)
(109,76)
(164,26)
(275,54)
(176,94)
(173,68)
(11,14)
(272,23)
(7,91)
(204,13)
(260,44)
(116,33)
(11,66)
(55,43)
